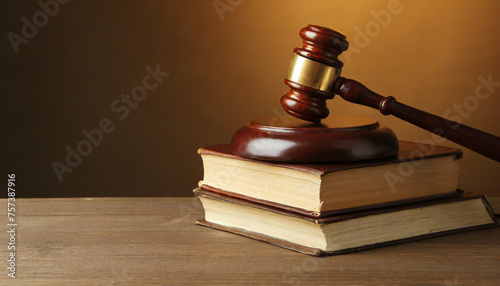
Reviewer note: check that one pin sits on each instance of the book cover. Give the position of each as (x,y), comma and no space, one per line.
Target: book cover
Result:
(408,151)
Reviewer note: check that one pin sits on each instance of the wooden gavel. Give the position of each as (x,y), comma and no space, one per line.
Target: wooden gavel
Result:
(314,77)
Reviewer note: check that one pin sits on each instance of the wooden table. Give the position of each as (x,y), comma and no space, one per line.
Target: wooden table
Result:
(141,241)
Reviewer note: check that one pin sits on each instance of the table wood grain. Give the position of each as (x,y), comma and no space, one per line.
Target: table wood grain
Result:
(153,241)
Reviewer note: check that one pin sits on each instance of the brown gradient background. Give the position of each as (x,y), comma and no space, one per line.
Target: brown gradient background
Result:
(222,75)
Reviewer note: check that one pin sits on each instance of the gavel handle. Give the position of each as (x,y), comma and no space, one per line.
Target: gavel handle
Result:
(476,140)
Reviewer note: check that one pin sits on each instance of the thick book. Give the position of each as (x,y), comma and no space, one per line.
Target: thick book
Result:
(347,232)
(419,172)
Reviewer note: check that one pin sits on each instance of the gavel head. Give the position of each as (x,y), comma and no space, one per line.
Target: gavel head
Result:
(314,69)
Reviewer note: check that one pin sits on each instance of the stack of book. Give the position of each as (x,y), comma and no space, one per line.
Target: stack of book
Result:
(322,209)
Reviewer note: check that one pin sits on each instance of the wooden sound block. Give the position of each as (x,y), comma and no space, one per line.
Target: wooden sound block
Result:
(336,139)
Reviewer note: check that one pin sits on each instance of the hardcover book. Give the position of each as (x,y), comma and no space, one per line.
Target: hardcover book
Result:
(346,232)
(419,172)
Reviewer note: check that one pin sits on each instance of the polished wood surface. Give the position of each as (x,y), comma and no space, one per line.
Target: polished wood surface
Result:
(305,103)
(308,104)
(337,139)
(476,140)
(153,241)
(323,45)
